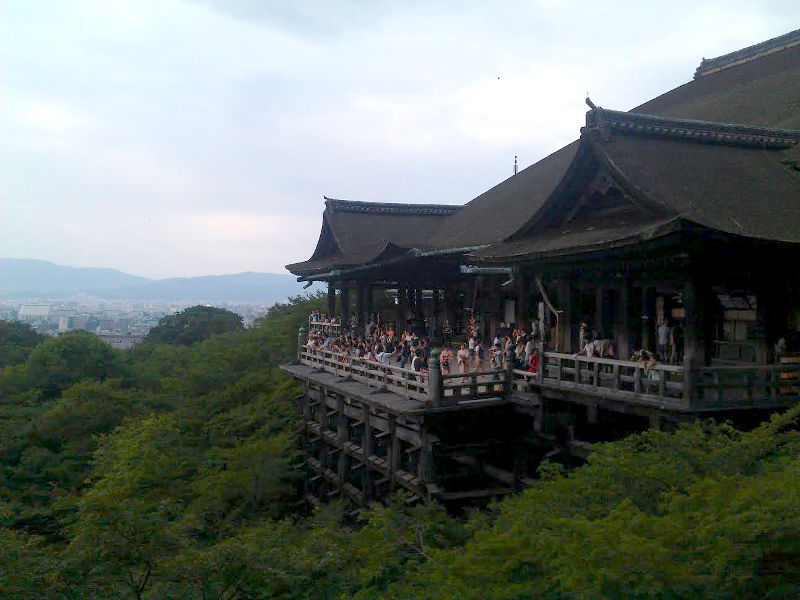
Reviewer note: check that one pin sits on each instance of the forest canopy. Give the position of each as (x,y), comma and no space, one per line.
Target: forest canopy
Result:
(168,471)
(194,324)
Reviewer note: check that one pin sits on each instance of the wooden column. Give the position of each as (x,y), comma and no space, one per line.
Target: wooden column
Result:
(402,304)
(436,321)
(597,326)
(342,435)
(345,305)
(369,300)
(522,301)
(331,299)
(394,451)
(322,420)
(567,318)
(360,307)
(623,332)
(648,317)
(366,448)
(695,304)
(425,464)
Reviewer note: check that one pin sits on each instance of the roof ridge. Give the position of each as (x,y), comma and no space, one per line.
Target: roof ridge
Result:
(776,44)
(388,208)
(607,120)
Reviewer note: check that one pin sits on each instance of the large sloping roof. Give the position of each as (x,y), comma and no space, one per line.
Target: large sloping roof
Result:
(710,175)
(499,212)
(761,88)
(355,233)
(730,178)
(759,85)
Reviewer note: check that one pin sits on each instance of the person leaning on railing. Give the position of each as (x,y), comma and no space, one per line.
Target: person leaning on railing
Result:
(445,358)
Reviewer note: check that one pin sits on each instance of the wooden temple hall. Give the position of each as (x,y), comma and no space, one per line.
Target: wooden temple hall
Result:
(683,212)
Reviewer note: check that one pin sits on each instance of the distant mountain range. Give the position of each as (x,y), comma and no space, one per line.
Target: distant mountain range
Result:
(29,278)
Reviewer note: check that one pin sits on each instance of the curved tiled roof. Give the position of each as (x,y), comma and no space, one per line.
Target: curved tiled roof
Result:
(715,182)
(726,61)
(356,233)
(763,92)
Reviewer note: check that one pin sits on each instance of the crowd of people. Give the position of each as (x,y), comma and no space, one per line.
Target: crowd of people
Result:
(408,350)
(517,348)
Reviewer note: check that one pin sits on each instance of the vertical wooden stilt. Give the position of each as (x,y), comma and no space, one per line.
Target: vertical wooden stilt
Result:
(394,451)
(331,299)
(366,448)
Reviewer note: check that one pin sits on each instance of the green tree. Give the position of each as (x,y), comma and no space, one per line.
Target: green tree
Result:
(59,362)
(17,340)
(193,325)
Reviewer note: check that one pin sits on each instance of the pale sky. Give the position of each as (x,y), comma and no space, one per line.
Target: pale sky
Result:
(177,138)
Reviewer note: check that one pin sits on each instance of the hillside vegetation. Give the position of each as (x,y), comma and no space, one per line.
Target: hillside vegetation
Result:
(167,472)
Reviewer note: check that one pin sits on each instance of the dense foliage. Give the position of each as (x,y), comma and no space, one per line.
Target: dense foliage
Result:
(16,342)
(166,472)
(194,324)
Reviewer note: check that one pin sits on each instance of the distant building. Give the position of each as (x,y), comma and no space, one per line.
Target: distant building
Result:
(34,313)
(121,342)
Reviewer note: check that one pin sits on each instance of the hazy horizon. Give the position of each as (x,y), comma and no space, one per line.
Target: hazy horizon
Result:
(189,138)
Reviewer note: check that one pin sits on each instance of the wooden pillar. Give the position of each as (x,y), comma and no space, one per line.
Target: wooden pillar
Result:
(435,386)
(567,317)
(623,332)
(424,465)
(369,300)
(342,437)
(366,448)
(522,301)
(694,331)
(394,451)
(322,451)
(597,326)
(345,305)
(360,308)
(648,317)
(402,304)
(331,299)
(435,322)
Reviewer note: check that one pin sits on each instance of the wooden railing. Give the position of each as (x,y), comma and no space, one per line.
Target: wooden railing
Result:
(617,379)
(332,327)
(473,385)
(406,382)
(748,385)
(662,385)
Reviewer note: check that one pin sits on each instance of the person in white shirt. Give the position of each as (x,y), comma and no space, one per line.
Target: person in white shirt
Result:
(662,334)
(529,349)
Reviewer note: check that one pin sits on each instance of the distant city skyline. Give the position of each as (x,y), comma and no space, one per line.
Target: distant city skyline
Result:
(190,138)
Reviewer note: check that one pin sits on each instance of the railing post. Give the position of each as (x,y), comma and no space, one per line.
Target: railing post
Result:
(301,337)
(508,384)
(435,383)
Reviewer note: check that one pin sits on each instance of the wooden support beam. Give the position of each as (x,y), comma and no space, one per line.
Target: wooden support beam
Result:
(501,475)
(394,451)
(366,449)
(475,494)
(344,311)
(331,300)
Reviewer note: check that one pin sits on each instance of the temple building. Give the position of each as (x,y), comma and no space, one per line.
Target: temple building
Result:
(682,214)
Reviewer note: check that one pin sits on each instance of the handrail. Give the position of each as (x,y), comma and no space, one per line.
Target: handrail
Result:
(413,384)
(353,360)
(615,361)
(751,367)
(710,387)
(470,373)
